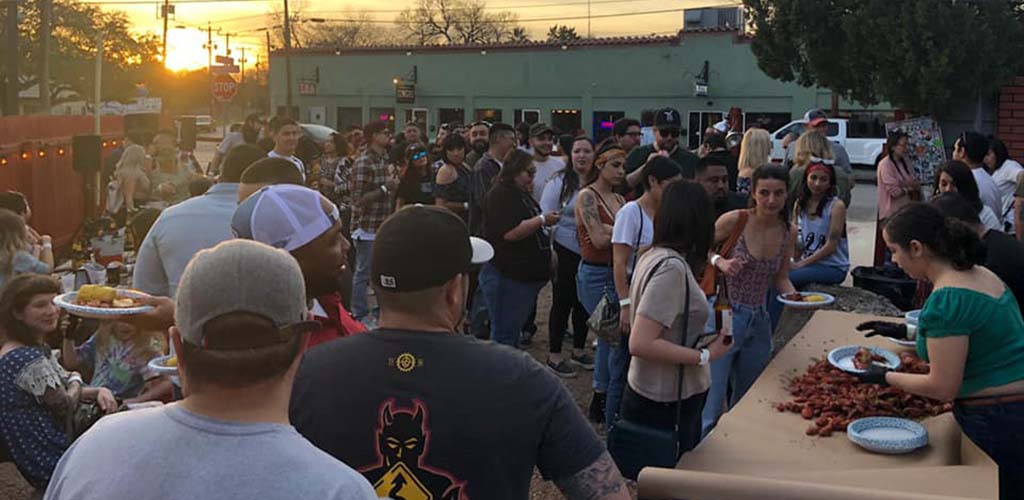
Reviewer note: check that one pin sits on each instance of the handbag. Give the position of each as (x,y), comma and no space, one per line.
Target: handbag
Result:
(710,278)
(604,321)
(635,445)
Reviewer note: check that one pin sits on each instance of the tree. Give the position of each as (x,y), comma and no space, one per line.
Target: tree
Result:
(358,29)
(75,27)
(919,55)
(559,33)
(519,35)
(457,22)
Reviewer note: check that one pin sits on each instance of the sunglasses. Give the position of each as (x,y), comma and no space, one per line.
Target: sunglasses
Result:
(669,133)
(420,155)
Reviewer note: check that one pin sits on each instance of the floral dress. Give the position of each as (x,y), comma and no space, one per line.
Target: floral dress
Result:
(31,430)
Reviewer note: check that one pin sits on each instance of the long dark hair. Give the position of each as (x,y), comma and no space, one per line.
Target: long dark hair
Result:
(516,162)
(340,145)
(805,192)
(452,142)
(891,141)
(947,238)
(571,179)
(964,181)
(15,297)
(998,148)
(685,222)
(770,171)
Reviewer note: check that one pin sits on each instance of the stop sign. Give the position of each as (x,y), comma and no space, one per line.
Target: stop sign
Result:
(224,87)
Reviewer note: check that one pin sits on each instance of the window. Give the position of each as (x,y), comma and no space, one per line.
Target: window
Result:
(348,117)
(452,115)
(566,121)
(767,121)
(530,116)
(491,116)
(796,128)
(604,121)
(699,122)
(384,115)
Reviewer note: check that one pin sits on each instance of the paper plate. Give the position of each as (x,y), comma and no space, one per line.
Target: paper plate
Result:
(808,305)
(67,301)
(888,435)
(159,365)
(842,358)
(903,343)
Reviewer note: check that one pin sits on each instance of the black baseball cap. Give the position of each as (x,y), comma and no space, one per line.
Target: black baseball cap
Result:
(421,247)
(666,118)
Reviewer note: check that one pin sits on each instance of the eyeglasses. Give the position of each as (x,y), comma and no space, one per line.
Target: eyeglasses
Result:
(418,156)
(669,133)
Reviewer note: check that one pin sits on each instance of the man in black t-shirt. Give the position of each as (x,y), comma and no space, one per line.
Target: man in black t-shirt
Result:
(667,131)
(424,412)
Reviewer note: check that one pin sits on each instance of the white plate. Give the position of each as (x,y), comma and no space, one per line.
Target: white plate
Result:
(904,343)
(159,365)
(67,301)
(808,305)
(842,358)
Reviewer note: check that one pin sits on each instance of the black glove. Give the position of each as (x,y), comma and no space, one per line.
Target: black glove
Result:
(874,374)
(885,329)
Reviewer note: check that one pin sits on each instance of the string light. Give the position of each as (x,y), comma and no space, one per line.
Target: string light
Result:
(3,160)
(103,144)
(41,153)
(25,155)
(61,151)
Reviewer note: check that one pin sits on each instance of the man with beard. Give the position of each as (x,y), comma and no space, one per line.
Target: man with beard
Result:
(666,143)
(542,142)
(479,135)
(304,223)
(713,173)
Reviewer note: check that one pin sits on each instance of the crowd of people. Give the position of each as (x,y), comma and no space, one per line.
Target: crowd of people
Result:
(327,302)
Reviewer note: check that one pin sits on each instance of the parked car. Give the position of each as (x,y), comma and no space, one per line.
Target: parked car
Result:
(858,139)
(204,123)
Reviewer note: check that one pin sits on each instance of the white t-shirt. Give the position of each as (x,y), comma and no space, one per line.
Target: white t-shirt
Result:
(989,219)
(629,222)
(989,192)
(298,163)
(545,170)
(1006,182)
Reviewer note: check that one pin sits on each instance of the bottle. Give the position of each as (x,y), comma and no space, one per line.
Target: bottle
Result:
(723,311)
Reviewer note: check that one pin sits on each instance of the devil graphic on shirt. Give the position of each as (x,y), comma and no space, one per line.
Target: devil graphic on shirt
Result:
(401,473)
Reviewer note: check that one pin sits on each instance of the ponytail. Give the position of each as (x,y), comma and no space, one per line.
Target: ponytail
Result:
(964,248)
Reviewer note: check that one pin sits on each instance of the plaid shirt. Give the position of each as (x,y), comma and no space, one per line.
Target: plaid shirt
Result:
(369,173)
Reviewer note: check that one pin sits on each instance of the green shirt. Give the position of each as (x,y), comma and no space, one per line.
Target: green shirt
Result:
(995,355)
(638,158)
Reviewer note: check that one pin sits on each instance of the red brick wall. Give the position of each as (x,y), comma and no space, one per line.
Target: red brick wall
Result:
(1010,124)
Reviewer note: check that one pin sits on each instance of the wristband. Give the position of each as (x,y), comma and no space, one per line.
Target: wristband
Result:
(705,357)
(75,378)
(47,246)
(714,260)
(543,221)
(624,302)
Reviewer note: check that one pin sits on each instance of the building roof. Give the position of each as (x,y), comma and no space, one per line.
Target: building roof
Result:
(618,41)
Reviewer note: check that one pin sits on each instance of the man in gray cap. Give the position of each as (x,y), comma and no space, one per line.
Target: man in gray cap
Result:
(425,412)
(541,142)
(816,120)
(241,331)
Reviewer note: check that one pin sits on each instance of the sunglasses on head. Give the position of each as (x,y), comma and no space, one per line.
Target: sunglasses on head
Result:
(419,155)
(669,133)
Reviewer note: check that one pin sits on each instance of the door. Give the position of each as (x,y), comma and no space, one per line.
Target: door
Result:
(699,122)
(530,116)
(566,121)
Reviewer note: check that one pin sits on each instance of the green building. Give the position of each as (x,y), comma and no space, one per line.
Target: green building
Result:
(585,84)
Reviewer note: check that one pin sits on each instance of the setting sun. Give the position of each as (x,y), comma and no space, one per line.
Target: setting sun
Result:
(185,50)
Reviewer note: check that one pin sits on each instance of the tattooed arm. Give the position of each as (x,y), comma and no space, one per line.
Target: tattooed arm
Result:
(587,215)
(599,480)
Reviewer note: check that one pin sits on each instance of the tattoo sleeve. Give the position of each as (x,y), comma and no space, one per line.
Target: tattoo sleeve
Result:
(599,480)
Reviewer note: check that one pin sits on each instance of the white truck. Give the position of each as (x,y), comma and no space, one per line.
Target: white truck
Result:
(863,149)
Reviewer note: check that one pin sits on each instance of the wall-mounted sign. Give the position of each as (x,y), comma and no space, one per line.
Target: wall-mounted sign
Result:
(307,87)
(405,92)
(700,89)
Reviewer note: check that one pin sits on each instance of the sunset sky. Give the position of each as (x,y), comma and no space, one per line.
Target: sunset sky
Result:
(242,17)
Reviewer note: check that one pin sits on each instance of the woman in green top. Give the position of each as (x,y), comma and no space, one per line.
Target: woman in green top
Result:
(971,332)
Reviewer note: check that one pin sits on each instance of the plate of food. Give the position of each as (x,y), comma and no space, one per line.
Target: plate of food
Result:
(856,358)
(889,435)
(102,302)
(166,365)
(806,300)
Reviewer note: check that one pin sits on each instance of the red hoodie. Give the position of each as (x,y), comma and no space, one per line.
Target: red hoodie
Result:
(338,323)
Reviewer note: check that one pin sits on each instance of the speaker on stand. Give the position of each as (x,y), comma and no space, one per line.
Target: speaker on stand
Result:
(87,159)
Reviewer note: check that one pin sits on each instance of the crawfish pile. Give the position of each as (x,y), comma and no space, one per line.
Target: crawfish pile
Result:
(832,398)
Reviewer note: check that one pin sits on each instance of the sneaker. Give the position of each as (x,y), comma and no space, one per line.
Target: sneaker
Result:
(562,369)
(584,361)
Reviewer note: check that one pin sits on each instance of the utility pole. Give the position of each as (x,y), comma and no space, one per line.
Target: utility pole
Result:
(97,84)
(227,44)
(45,20)
(242,62)
(268,73)
(11,70)
(287,61)
(209,62)
(166,10)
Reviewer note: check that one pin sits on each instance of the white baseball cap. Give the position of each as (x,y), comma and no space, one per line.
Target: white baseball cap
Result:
(283,216)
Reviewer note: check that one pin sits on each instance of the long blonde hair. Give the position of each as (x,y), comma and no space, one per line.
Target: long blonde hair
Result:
(13,239)
(145,344)
(132,161)
(755,150)
(810,144)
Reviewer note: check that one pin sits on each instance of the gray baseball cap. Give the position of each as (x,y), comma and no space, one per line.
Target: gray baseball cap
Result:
(242,276)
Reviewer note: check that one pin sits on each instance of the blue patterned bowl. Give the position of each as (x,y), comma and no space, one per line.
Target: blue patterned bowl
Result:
(912,316)
(889,435)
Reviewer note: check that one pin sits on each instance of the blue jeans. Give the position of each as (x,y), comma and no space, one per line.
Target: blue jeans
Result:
(999,431)
(751,350)
(361,278)
(817,273)
(611,361)
(508,302)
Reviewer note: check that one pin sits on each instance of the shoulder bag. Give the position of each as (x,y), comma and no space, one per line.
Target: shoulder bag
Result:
(635,445)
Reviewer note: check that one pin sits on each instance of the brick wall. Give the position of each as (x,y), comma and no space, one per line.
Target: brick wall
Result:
(1010,121)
